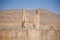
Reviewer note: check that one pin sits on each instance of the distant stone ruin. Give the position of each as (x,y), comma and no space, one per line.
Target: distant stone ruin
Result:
(29,25)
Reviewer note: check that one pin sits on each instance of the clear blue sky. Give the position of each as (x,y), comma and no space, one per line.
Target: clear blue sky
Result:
(51,5)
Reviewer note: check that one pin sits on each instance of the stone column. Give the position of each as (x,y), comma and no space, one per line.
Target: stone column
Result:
(9,35)
(44,34)
(22,34)
(37,19)
(24,18)
(4,35)
(52,34)
(58,35)
(0,35)
(34,34)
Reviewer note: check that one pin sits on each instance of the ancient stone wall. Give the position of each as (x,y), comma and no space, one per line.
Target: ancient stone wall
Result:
(29,25)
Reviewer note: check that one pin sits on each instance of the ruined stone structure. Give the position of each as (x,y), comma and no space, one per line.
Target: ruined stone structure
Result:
(29,25)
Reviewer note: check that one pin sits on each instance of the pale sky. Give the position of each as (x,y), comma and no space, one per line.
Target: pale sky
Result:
(50,5)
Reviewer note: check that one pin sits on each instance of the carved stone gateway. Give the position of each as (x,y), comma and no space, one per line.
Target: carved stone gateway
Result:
(29,25)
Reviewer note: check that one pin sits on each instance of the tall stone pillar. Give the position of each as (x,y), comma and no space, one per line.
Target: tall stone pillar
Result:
(58,35)
(52,34)
(9,36)
(24,19)
(4,35)
(22,34)
(37,19)
(34,34)
(0,35)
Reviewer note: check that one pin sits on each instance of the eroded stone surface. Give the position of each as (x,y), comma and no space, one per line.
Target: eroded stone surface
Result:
(29,25)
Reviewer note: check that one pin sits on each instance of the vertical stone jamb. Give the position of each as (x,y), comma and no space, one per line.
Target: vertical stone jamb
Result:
(24,21)
(37,19)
